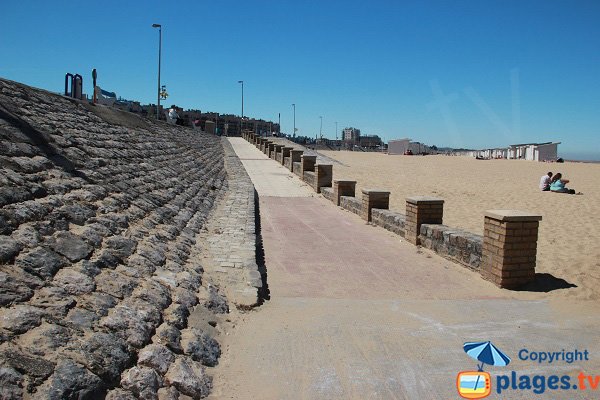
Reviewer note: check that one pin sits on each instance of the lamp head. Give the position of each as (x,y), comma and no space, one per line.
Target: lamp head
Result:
(156,25)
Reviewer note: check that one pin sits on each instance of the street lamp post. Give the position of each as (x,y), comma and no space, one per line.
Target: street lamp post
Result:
(294,132)
(159,26)
(242,119)
(321,128)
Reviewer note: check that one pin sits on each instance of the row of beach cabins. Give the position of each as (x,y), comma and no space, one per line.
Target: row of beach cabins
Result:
(547,151)
(527,151)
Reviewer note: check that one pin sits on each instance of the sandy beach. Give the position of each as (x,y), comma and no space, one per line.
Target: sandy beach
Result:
(569,231)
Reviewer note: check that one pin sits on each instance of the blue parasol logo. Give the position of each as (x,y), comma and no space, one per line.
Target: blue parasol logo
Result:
(487,353)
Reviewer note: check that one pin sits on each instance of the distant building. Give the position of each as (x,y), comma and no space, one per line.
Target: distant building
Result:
(370,142)
(534,151)
(351,135)
(398,146)
(402,146)
(547,151)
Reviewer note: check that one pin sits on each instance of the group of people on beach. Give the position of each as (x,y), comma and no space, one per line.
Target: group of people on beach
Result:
(556,183)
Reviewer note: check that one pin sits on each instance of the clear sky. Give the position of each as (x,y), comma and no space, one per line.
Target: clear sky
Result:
(463,74)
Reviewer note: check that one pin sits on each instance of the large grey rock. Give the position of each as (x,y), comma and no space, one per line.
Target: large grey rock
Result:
(55,301)
(215,302)
(115,284)
(177,315)
(185,297)
(26,236)
(36,368)
(129,324)
(142,382)
(45,339)
(189,280)
(77,213)
(97,302)
(168,393)
(142,265)
(12,290)
(169,336)
(189,378)
(120,394)
(81,319)
(11,384)
(120,246)
(106,355)
(200,347)
(70,246)
(41,262)
(153,292)
(9,248)
(157,357)
(71,381)
(73,281)
(20,318)
(153,253)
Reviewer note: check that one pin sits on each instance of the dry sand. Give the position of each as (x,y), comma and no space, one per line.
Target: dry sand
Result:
(568,239)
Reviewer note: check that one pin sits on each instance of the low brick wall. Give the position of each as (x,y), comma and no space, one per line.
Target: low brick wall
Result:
(278,157)
(327,192)
(309,177)
(287,162)
(455,244)
(351,204)
(296,168)
(390,220)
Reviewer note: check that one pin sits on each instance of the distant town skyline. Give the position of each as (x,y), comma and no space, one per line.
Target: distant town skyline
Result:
(467,74)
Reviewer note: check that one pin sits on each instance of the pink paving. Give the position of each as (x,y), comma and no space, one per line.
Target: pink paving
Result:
(314,249)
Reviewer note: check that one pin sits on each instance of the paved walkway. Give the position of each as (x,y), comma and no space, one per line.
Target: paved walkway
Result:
(356,312)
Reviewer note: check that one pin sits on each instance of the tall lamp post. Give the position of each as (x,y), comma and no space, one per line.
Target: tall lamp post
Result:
(242,119)
(159,26)
(321,128)
(294,132)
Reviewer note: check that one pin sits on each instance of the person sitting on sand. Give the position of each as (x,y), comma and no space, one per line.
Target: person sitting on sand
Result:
(558,185)
(545,182)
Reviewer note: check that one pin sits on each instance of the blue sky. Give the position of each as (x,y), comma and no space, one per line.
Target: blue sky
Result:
(463,74)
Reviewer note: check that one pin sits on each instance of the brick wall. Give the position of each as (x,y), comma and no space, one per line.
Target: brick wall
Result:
(328,193)
(310,178)
(455,244)
(351,204)
(390,220)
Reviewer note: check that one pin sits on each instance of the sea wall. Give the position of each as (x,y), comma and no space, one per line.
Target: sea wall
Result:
(100,219)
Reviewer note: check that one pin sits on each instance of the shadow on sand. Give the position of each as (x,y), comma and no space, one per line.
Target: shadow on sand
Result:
(546,283)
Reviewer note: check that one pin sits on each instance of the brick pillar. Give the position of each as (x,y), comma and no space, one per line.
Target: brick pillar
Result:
(296,156)
(278,148)
(270,149)
(285,152)
(509,247)
(323,176)
(421,210)
(373,198)
(343,188)
(308,164)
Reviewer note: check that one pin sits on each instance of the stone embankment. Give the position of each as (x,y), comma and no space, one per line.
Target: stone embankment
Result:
(101,218)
